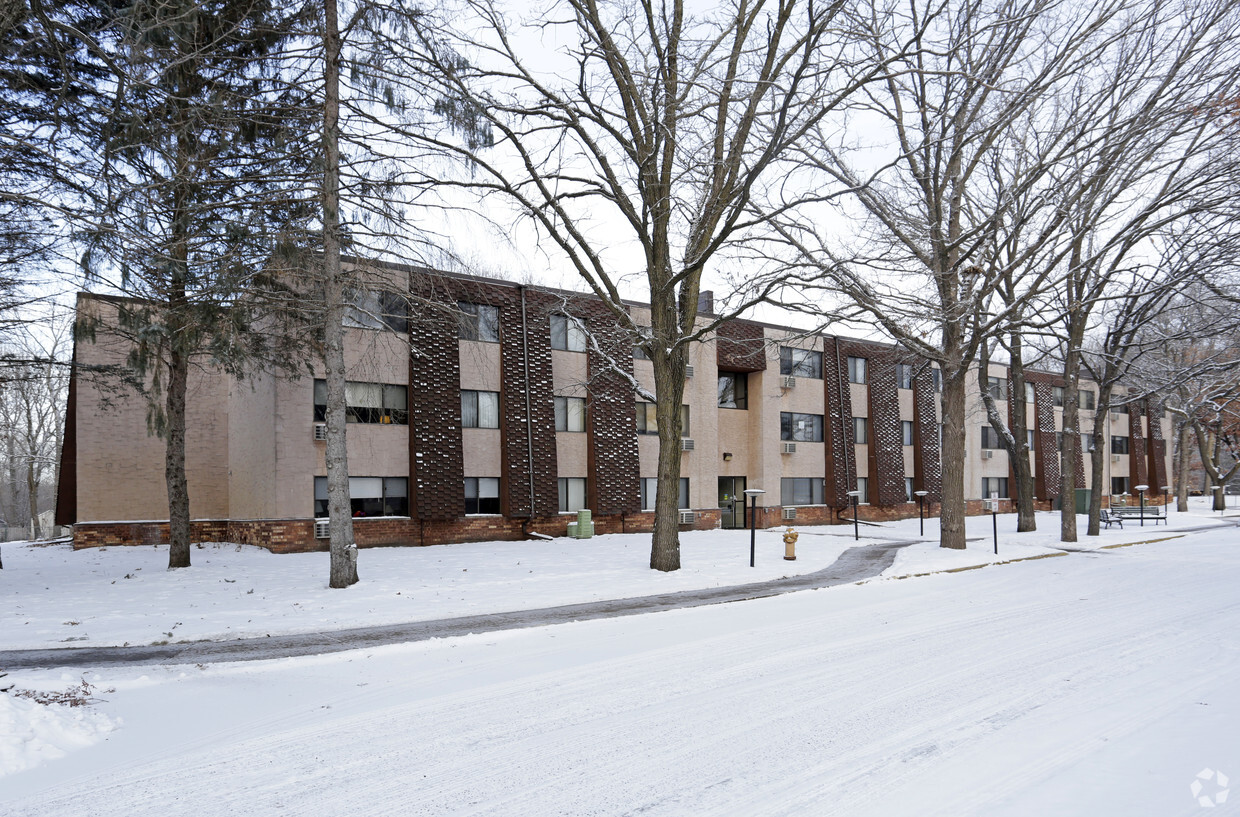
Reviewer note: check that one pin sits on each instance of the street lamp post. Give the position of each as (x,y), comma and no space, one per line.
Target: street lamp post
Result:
(1141,489)
(921,509)
(856,525)
(753,494)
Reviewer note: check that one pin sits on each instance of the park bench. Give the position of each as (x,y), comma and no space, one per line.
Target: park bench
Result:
(1152,513)
(1110,518)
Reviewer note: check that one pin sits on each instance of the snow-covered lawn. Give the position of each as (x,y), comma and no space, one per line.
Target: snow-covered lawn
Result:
(1099,683)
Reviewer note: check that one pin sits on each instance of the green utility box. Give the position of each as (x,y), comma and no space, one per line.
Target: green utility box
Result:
(1082,500)
(583,528)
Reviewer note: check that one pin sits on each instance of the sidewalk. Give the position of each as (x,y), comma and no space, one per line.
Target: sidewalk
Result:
(854,565)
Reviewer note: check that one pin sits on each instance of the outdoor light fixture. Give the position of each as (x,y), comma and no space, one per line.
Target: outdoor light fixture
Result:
(1141,489)
(753,493)
(856,526)
(727,456)
(921,508)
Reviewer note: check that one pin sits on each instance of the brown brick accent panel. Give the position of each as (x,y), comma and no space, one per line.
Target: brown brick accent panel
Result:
(612,430)
(435,448)
(1048,481)
(927,453)
(529,440)
(1138,467)
(841,458)
(1157,450)
(644,522)
(740,347)
(279,535)
(886,436)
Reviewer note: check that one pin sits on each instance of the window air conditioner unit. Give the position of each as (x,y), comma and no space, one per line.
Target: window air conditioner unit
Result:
(788,381)
(322,529)
(320,431)
(788,448)
(688,372)
(988,454)
(687,517)
(686,444)
(790,514)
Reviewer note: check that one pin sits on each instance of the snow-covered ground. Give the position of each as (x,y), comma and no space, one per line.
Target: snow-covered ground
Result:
(1099,683)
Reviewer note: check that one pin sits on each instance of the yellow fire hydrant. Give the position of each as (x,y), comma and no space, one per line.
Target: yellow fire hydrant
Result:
(790,545)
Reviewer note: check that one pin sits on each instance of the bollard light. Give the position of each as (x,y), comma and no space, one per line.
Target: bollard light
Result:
(753,493)
(921,509)
(856,525)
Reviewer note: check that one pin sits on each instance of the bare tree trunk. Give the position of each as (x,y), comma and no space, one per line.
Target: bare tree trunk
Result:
(343,551)
(1183,460)
(174,461)
(669,379)
(1071,438)
(952,512)
(1096,460)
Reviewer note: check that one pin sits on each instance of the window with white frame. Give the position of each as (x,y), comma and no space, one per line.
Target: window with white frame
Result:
(1029,394)
(908,490)
(904,375)
(649,489)
(570,414)
(648,420)
(800,427)
(572,494)
(567,334)
(368,496)
(1057,396)
(479,409)
(1029,439)
(481,495)
(992,486)
(800,362)
(856,370)
(863,490)
(794,491)
(906,430)
(477,322)
(997,387)
(383,403)
(1088,399)
(861,430)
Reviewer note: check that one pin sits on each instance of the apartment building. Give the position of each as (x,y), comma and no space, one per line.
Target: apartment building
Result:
(509,408)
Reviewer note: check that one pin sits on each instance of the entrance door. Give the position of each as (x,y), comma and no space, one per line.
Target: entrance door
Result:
(732,501)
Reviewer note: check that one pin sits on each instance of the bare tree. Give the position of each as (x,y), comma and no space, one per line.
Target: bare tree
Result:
(655,149)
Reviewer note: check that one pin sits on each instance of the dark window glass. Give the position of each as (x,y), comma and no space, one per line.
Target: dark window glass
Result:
(800,427)
(478,322)
(1119,445)
(482,495)
(384,403)
(800,362)
(733,390)
(801,491)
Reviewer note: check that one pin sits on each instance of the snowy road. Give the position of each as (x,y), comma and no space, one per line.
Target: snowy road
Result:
(1098,684)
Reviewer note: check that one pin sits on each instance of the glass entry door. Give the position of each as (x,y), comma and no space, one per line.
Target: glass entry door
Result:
(732,501)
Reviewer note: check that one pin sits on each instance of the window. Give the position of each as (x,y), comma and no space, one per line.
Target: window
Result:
(1057,395)
(572,494)
(368,496)
(800,362)
(863,490)
(1119,445)
(482,495)
(1087,442)
(1029,439)
(567,334)
(1029,397)
(648,421)
(805,428)
(936,376)
(997,387)
(997,486)
(1088,399)
(479,409)
(570,414)
(367,403)
(1059,441)
(990,438)
(906,428)
(376,309)
(733,390)
(904,375)
(1122,408)
(801,491)
(1119,486)
(861,430)
(908,490)
(856,369)
(478,322)
(650,486)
